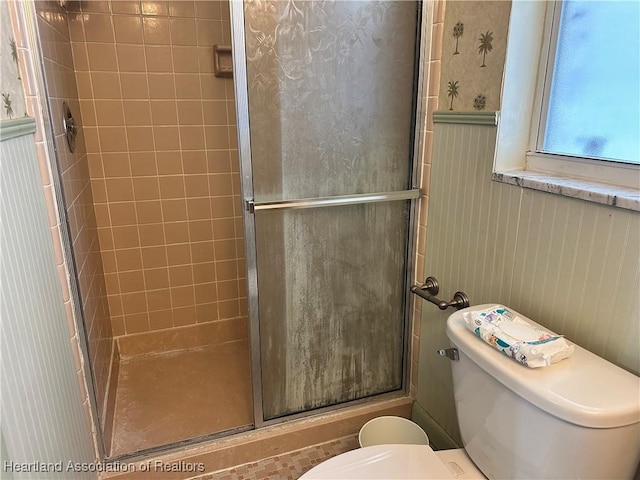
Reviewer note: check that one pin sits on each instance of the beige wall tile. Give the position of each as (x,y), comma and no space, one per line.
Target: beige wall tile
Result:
(109,113)
(136,323)
(192,138)
(185,60)
(151,234)
(202,252)
(156,30)
(116,164)
(164,112)
(125,237)
(131,282)
(182,297)
(146,188)
(209,32)
(182,8)
(156,278)
(98,27)
(159,299)
(128,259)
(222,207)
(137,112)
(161,86)
(167,138)
(194,161)
(112,139)
(140,139)
(122,213)
(102,57)
(187,86)
(204,272)
(180,274)
(209,10)
(106,85)
(119,189)
(154,8)
(158,58)
(223,228)
(183,31)
(154,257)
(196,186)
(149,211)
(200,230)
(134,86)
(177,232)
(128,29)
(161,319)
(169,163)
(172,186)
(157,129)
(178,254)
(131,58)
(190,112)
(126,6)
(143,164)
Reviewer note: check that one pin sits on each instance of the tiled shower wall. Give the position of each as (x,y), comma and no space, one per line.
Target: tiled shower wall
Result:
(53,28)
(161,142)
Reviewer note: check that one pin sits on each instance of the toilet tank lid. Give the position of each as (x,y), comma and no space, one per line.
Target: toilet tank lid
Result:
(583,389)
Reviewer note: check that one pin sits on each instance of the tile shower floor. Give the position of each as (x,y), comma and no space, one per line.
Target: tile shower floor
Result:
(166,398)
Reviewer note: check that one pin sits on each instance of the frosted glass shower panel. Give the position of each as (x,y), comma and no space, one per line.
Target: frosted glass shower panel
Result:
(331,87)
(331,301)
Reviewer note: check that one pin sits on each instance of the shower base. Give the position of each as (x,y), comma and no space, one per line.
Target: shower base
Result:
(166,398)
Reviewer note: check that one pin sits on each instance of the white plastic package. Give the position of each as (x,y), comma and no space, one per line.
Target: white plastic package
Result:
(531,345)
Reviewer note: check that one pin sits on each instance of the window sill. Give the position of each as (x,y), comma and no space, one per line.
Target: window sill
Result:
(620,197)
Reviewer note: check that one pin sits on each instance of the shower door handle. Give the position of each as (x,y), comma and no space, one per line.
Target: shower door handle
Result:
(358,198)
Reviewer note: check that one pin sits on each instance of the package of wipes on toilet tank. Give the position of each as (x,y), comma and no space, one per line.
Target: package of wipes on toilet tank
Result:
(529,344)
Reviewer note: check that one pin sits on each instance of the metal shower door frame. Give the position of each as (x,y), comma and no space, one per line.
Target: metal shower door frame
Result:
(413,195)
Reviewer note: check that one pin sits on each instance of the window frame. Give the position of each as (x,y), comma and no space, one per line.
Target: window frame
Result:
(531,46)
(595,169)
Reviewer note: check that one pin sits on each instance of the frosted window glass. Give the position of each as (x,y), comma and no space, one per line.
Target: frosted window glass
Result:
(594,100)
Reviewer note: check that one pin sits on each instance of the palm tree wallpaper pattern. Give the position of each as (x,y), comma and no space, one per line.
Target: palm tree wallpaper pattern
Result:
(471,30)
(11,92)
(485,46)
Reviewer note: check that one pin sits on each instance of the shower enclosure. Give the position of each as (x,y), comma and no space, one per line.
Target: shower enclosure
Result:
(306,226)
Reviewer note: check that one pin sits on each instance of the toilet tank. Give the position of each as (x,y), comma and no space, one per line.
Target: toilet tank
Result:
(579,418)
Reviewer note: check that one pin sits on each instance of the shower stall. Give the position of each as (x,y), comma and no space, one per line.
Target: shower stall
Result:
(241,246)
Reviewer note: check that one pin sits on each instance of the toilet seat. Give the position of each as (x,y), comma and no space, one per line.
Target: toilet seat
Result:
(383,462)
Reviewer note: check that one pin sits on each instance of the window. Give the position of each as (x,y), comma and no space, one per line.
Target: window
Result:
(591,91)
(571,96)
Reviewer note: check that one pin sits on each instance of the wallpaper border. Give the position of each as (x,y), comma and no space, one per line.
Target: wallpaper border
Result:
(472,118)
(16,128)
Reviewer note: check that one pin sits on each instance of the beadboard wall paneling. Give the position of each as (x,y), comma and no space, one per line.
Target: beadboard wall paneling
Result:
(571,265)
(41,399)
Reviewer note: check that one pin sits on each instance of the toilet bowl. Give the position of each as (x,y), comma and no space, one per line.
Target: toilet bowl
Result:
(396,461)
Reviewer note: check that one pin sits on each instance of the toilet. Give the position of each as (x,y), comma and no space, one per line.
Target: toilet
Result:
(579,418)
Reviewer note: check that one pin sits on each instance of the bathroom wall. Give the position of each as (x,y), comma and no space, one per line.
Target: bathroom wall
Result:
(55,46)
(161,141)
(43,416)
(572,265)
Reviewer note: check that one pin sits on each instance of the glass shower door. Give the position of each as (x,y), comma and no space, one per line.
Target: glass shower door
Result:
(328,192)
